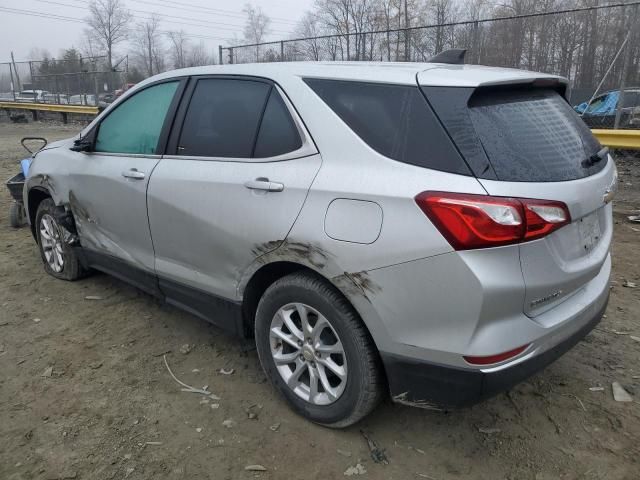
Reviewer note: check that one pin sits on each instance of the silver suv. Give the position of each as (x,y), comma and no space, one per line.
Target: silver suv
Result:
(433,230)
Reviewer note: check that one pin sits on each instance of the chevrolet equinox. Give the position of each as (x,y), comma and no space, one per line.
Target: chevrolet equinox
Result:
(437,231)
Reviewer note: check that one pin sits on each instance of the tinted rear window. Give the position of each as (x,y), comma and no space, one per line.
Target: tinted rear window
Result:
(394,120)
(524,134)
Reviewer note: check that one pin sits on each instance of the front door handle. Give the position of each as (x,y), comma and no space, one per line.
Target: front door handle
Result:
(133,174)
(262,183)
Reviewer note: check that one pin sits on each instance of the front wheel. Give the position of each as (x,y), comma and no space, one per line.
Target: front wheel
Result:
(59,258)
(316,351)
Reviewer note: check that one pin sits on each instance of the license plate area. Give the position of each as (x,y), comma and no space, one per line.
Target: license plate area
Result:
(590,233)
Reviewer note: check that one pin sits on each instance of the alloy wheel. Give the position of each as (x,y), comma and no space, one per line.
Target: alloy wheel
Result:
(51,240)
(308,354)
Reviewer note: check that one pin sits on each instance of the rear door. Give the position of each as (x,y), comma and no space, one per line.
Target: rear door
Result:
(529,143)
(237,172)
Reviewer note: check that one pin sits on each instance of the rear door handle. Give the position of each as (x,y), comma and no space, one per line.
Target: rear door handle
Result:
(133,174)
(262,183)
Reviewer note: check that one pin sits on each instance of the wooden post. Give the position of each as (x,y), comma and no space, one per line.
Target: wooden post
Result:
(281,51)
(220,59)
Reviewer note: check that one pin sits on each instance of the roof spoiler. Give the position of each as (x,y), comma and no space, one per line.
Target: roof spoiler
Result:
(455,56)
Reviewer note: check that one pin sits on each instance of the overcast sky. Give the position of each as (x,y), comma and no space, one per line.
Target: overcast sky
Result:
(37,27)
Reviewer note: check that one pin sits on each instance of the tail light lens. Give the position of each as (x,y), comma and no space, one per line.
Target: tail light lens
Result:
(499,357)
(480,221)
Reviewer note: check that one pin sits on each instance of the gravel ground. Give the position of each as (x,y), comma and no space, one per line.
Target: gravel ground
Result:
(84,392)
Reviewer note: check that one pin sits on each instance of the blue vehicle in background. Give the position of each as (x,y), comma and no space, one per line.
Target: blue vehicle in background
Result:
(601,112)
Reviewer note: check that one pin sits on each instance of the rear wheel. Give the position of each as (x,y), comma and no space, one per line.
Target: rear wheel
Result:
(59,258)
(316,351)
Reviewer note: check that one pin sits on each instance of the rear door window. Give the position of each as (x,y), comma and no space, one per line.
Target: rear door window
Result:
(223,118)
(278,134)
(394,120)
(525,134)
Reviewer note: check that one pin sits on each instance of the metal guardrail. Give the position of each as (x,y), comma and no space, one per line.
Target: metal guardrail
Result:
(50,107)
(627,139)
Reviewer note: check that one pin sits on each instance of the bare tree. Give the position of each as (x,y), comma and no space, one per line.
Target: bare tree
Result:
(336,17)
(109,21)
(88,44)
(256,27)
(386,9)
(444,12)
(307,28)
(179,46)
(198,56)
(578,44)
(148,41)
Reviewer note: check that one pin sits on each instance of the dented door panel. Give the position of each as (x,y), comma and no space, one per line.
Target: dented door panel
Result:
(109,210)
(208,227)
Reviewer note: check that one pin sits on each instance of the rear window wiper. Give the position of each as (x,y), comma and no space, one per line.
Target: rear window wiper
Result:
(595,158)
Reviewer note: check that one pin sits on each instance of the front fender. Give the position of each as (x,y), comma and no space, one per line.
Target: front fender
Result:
(48,177)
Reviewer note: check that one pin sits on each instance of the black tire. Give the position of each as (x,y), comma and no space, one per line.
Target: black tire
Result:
(363,389)
(72,268)
(17,217)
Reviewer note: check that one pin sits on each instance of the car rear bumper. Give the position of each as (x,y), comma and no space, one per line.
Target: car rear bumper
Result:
(430,385)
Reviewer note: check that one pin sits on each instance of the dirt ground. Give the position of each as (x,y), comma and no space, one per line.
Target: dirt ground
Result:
(110,409)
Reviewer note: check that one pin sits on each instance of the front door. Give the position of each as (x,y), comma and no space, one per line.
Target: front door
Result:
(107,192)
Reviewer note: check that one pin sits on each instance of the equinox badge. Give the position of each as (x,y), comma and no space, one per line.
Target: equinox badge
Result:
(546,298)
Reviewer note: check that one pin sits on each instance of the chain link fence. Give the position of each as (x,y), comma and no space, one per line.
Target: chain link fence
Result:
(77,81)
(597,48)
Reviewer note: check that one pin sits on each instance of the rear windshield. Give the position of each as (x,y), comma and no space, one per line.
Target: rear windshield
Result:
(530,135)
(394,120)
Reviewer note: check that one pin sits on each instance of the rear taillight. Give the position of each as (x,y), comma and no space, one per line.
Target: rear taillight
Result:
(497,358)
(480,221)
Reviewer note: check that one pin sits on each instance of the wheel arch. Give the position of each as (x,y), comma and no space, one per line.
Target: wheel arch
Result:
(35,197)
(359,330)
(345,285)
(258,283)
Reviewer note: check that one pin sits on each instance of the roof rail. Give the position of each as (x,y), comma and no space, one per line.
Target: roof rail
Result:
(454,56)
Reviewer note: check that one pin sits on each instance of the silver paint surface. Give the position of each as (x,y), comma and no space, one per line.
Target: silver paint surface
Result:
(353,220)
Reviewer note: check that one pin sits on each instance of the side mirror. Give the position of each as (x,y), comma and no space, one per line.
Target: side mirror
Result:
(82,145)
(85,144)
